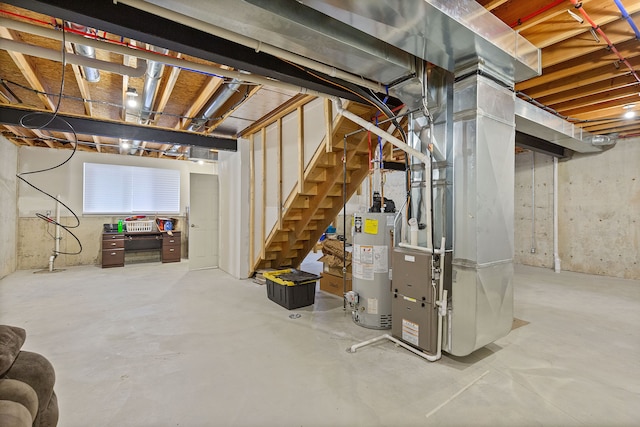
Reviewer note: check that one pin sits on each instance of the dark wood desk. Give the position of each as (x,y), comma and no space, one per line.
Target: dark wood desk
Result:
(114,246)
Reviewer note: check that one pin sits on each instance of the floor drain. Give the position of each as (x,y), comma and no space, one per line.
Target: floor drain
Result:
(295,316)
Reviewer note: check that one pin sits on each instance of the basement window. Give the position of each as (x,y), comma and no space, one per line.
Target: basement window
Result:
(117,189)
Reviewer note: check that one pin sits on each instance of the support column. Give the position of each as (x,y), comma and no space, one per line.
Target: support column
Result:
(483,197)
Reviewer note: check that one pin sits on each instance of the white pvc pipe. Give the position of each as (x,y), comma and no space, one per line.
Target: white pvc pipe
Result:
(533,202)
(254,44)
(416,248)
(58,236)
(149,56)
(70,58)
(443,302)
(556,255)
(442,311)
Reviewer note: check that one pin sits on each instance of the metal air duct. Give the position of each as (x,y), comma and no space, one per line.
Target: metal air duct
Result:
(151,80)
(214,104)
(90,74)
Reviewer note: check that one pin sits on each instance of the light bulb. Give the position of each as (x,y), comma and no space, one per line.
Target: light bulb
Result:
(132,96)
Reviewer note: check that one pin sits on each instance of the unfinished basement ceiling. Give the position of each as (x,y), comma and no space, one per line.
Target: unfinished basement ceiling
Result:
(583,80)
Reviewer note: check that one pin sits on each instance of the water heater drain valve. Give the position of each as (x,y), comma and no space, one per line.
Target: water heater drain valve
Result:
(351,298)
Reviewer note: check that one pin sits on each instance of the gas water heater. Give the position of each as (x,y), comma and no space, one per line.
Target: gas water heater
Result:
(370,299)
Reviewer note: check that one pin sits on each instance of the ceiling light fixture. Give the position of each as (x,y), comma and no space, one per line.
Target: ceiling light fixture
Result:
(576,16)
(125,144)
(629,113)
(132,96)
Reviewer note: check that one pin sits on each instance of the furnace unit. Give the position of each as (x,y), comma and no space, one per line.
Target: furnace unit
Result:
(415,313)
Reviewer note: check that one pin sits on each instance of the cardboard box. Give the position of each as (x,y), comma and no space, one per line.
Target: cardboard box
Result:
(333,284)
(336,271)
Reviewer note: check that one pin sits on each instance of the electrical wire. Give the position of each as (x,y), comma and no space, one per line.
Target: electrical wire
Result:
(341,86)
(24,122)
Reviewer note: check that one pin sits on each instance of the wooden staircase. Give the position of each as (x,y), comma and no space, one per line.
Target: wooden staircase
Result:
(312,206)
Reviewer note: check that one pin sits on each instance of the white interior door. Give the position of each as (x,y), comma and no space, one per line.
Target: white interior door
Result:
(203,221)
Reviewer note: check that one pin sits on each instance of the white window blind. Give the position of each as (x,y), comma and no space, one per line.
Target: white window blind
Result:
(115,189)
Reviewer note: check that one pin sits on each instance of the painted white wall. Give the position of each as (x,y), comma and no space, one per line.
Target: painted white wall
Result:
(314,132)
(233,172)
(8,207)
(67,180)
(34,242)
(314,128)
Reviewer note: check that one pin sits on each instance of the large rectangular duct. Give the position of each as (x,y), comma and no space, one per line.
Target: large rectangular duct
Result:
(483,198)
(449,33)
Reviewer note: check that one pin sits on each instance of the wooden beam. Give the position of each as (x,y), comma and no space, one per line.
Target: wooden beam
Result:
(284,109)
(583,43)
(263,134)
(230,111)
(328,120)
(588,102)
(591,89)
(205,94)
(607,110)
(577,81)
(252,200)
(27,70)
(603,126)
(20,131)
(279,167)
(166,91)
(563,27)
(494,4)
(577,66)
(300,149)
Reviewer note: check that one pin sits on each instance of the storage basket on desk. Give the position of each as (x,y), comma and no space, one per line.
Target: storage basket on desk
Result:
(291,288)
(139,226)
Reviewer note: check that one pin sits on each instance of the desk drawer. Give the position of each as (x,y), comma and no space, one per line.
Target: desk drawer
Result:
(112,236)
(113,257)
(170,240)
(112,244)
(171,253)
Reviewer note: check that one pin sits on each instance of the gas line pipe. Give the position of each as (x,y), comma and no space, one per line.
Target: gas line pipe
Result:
(578,5)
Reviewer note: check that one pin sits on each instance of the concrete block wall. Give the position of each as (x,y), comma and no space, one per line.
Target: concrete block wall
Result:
(599,204)
(533,226)
(598,211)
(8,207)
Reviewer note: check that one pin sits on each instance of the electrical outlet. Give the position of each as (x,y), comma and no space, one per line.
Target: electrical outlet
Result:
(533,250)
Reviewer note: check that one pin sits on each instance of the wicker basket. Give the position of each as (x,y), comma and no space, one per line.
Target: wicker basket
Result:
(139,226)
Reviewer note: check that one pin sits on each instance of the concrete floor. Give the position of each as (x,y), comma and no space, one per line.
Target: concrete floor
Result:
(159,345)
